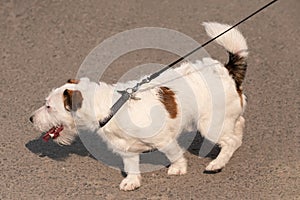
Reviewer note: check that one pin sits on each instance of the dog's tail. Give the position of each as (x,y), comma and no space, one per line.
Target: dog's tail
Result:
(235,43)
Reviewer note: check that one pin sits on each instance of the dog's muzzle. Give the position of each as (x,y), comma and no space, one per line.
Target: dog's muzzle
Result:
(51,133)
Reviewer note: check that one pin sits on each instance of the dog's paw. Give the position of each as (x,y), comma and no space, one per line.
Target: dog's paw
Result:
(214,166)
(178,168)
(175,170)
(131,182)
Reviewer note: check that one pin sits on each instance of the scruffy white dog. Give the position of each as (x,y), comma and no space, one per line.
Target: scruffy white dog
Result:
(178,100)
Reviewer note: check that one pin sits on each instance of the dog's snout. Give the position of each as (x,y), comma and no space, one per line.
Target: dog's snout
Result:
(31,119)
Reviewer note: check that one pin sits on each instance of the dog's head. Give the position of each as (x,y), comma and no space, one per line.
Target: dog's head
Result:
(55,117)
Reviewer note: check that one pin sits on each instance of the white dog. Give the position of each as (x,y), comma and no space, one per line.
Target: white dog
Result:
(176,101)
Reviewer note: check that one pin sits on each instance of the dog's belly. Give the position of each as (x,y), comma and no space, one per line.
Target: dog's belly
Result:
(140,147)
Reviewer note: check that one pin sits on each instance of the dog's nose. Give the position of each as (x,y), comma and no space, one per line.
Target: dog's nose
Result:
(31,119)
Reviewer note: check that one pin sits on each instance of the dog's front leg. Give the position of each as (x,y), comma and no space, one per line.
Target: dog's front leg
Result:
(131,167)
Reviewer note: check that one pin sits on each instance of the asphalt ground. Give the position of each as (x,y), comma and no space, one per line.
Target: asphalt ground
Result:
(43,43)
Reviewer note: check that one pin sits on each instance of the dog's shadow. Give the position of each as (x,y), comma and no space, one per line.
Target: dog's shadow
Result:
(54,151)
(202,147)
(97,149)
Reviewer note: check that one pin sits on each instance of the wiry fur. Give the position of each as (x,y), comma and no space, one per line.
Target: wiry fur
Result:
(238,51)
(134,130)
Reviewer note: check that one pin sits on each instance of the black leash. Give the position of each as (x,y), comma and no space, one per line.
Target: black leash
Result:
(126,94)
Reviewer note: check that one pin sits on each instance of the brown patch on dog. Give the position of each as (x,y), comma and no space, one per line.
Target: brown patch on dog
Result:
(237,67)
(73,81)
(240,92)
(72,100)
(167,97)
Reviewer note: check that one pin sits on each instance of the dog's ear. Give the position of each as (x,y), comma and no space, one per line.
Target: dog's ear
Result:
(72,100)
(73,81)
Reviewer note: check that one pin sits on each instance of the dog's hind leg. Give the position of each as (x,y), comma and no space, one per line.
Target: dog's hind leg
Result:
(229,142)
(175,154)
(131,167)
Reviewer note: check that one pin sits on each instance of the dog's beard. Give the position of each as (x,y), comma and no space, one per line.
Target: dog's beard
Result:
(66,136)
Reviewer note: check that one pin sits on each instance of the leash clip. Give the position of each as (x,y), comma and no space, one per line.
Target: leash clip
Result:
(130,92)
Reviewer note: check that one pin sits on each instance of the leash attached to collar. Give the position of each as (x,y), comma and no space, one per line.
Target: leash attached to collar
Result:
(128,93)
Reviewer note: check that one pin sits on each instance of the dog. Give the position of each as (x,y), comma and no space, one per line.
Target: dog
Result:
(179,97)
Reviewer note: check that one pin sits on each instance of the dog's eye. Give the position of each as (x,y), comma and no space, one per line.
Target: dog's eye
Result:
(48,107)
